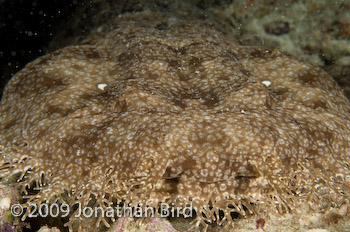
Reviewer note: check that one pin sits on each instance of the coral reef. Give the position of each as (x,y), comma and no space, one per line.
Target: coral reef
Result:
(8,222)
(316,32)
(47,229)
(163,108)
(153,225)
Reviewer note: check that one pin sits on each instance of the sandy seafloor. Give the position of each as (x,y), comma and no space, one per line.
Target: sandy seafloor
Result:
(315,31)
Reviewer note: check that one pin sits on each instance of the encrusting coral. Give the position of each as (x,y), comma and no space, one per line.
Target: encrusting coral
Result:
(176,112)
(8,222)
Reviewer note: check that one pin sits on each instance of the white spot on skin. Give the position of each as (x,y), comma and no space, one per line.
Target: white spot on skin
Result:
(101,86)
(266,83)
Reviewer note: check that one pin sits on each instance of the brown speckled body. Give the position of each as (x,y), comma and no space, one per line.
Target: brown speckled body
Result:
(179,113)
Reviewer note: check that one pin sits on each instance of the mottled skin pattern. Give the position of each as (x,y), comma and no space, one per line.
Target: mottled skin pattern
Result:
(177,112)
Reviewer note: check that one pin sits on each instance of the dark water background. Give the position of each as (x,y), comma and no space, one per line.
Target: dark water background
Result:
(26,27)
